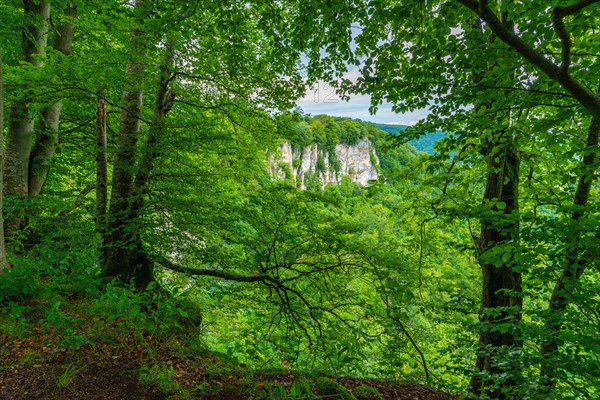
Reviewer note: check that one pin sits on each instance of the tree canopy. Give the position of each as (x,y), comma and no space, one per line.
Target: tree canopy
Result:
(135,175)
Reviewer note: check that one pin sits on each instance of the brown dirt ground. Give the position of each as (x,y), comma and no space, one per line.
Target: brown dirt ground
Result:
(34,366)
(102,381)
(108,379)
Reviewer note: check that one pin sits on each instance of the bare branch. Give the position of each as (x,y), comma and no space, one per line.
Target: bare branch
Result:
(282,291)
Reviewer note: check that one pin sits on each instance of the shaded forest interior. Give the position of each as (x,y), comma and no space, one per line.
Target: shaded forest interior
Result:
(169,211)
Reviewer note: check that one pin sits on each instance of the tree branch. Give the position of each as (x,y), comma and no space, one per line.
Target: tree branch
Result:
(397,319)
(217,274)
(574,8)
(565,39)
(558,14)
(580,92)
(274,285)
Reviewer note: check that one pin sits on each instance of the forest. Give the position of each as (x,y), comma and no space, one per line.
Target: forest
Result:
(174,226)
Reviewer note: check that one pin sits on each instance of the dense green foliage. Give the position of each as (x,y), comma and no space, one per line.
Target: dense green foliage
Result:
(512,86)
(470,265)
(324,130)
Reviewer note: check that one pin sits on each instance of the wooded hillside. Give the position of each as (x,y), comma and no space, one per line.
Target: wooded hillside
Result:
(140,219)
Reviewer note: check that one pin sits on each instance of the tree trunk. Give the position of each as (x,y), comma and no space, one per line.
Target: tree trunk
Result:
(163,102)
(575,265)
(46,140)
(21,120)
(139,267)
(501,299)
(101,173)
(3,263)
(124,254)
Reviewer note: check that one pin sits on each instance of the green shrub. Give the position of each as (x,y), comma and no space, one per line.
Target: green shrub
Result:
(13,320)
(320,166)
(65,325)
(18,284)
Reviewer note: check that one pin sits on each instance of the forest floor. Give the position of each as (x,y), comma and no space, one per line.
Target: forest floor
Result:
(65,348)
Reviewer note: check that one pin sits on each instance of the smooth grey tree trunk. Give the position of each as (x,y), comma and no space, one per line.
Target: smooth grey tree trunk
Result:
(21,118)
(124,256)
(163,103)
(47,139)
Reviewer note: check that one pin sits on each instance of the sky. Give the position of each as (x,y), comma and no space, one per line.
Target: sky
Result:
(323,100)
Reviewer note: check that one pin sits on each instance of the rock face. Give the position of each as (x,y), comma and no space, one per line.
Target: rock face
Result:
(358,161)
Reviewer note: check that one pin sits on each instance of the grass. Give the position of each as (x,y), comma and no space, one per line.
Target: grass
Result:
(66,379)
(142,333)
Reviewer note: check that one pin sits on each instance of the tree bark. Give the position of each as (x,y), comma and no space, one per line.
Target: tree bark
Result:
(558,73)
(21,120)
(46,140)
(124,255)
(142,269)
(101,173)
(575,265)
(3,263)
(501,300)
(162,105)
(501,290)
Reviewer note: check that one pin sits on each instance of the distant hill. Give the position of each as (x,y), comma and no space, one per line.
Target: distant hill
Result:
(424,143)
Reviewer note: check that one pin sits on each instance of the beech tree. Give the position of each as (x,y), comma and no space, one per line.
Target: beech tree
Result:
(566,69)
(513,86)
(20,119)
(46,135)
(485,72)
(122,245)
(194,72)
(30,147)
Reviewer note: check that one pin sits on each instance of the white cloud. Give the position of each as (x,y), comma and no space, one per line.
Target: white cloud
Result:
(358,107)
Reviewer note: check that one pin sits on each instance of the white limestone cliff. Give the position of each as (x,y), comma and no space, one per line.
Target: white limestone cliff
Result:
(358,161)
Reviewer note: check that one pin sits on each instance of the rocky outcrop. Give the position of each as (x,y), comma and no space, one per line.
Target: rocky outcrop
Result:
(358,161)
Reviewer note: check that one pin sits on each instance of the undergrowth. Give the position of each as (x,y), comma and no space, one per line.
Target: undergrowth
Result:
(73,322)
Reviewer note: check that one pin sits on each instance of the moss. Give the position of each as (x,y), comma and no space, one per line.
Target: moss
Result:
(367,393)
(300,389)
(329,389)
